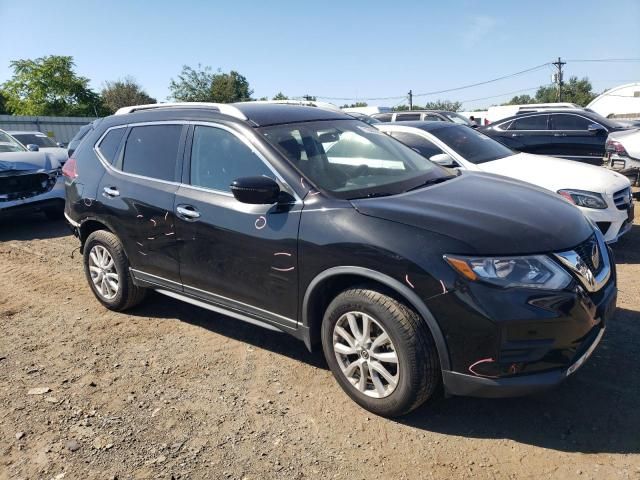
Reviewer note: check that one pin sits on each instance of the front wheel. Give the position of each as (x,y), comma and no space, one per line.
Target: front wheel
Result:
(380,351)
(107,270)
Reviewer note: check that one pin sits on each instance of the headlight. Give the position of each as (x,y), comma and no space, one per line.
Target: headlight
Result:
(584,199)
(537,271)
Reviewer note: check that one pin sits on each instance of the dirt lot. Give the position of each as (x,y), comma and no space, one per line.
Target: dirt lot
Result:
(173,391)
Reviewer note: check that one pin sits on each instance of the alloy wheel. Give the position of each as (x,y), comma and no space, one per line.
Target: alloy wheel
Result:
(366,355)
(103,272)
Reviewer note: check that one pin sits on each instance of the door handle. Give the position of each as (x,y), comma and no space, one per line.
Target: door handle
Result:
(188,212)
(516,134)
(559,134)
(111,192)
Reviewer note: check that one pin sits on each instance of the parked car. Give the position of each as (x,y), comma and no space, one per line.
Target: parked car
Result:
(601,195)
(623,154)
(498,112)
(429,115)
(364,118)
(573,134)
(80,134)
(42,142)
(29,181)
(408,275)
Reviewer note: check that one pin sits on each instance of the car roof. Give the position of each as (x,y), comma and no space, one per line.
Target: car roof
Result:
(257,114)
(18,132)
(422,125)
(545,111)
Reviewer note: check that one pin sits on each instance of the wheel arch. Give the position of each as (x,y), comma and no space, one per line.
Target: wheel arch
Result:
(334,280)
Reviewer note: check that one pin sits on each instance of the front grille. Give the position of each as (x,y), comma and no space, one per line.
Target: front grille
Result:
(604,227)
(622,198)
(16,187)
(585,250)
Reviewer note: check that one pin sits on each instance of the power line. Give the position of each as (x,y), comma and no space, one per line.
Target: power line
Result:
(504,94)
(604,60)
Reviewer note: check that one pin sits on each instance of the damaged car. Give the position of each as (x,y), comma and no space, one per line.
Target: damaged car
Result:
(29,181)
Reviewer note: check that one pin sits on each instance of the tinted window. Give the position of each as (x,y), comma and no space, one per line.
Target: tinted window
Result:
(218,158)
(570,122)
(403,117)
(39,139)
(470,144)
(152,151)
(431,117)
(108,147)
(535,122)
(417,142)
(383,117)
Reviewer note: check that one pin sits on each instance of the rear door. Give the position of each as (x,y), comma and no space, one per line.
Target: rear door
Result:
(240,256)
(529,133)
(575,141)
(137,194)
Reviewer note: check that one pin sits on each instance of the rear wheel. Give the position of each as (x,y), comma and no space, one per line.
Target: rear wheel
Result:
(107,270)
(380,351)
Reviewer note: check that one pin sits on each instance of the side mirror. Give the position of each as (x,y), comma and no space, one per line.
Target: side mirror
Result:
(597,129)
(32,147)
(255,190)
(444,160)
(61,144)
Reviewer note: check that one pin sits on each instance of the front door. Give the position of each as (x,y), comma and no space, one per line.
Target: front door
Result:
(243,257)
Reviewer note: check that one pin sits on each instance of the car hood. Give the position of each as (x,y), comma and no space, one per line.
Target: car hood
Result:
(26,161)
(58,153)
(493,215)
(556,173)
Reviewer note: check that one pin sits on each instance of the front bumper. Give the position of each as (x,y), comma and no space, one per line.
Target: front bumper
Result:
(613,223)
(53,198)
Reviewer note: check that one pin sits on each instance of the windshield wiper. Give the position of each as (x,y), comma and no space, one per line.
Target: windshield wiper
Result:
(431,181)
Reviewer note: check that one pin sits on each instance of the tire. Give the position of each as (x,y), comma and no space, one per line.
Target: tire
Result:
(416,372)
(54,213)
(127,294)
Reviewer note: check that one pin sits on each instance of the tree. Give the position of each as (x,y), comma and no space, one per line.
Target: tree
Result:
(123,93)
(280,96)
(49,86)
(355,105)
(202,85)
(3,104)
(230,87)
(573,91)
(447,105)
(521,100)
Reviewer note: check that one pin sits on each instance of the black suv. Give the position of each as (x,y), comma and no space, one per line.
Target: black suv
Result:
(309,222)
(572,134)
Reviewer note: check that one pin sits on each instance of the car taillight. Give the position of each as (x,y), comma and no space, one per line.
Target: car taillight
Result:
(70,169)
(615,146)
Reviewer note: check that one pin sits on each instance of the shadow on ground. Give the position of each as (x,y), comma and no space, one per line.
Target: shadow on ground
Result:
(31,227)
(627,249)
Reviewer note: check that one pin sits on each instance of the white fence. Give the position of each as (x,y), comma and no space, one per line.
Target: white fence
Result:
(61,128)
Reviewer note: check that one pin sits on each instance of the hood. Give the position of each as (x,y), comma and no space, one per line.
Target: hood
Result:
(60,154)
(26,161)
(556,173)
(493,215)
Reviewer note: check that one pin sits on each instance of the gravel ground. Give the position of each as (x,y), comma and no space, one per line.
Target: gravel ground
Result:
(173,391)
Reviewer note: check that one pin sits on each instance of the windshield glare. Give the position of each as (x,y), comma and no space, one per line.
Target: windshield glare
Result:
(8,144)
(351,159)
(470,144)
(32,138)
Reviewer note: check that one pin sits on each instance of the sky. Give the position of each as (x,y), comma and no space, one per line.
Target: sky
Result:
(338,49)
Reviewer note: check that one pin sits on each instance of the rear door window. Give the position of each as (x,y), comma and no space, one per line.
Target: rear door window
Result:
(110,144)
(534,122)
(152,151)
(569,122)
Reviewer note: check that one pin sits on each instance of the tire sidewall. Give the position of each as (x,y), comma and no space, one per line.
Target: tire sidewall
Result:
(119,264)
(402,395)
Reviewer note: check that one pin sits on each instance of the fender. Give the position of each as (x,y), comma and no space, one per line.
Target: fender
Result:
(405,292)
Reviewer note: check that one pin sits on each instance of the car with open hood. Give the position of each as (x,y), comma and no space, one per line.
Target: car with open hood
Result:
(38,141)
(602,195)
(303,220)
(29,181)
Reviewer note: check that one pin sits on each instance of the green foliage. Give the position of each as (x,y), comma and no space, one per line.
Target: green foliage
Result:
(49,86)
(447,105)
(280,96)
(3,103)
(355,105)
(123,93)
(202,85)
(573,91)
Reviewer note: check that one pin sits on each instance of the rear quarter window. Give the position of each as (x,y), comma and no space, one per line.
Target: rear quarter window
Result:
(109,145)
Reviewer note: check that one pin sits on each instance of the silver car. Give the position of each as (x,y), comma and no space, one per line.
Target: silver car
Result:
(32,139)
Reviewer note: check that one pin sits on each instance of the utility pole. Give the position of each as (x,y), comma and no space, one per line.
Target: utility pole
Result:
(558,77)
(410,100)
(307,97)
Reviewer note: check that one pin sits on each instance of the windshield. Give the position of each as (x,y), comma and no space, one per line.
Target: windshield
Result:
(457,118)
(470,144)
(8,144)
(39,139)
(351,159)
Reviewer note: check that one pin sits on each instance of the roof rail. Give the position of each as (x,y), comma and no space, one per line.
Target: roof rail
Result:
(309,103)
(223,108)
